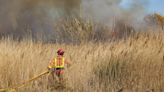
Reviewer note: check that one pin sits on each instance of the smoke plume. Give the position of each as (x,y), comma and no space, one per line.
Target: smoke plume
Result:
(20,17)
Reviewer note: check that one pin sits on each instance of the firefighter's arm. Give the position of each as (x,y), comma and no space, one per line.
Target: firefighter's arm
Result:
(50,64)
(68,63)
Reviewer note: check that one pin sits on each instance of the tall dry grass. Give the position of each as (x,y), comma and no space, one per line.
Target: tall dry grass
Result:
(132,65)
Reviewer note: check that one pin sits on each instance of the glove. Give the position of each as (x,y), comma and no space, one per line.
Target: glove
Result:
(50,69)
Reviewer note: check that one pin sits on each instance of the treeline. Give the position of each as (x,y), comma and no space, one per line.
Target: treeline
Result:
(71,30)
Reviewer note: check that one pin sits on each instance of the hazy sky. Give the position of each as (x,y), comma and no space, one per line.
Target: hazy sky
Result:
(156,6)
(151,6)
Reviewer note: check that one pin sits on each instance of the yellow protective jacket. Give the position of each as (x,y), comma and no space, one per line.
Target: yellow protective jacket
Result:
(57,62)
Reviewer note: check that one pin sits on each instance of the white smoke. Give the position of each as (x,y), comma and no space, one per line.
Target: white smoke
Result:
(107,10)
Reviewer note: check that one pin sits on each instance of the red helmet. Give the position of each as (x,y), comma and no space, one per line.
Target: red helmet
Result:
(60,51)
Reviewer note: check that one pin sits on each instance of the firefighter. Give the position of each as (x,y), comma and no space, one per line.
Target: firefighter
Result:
(57,65)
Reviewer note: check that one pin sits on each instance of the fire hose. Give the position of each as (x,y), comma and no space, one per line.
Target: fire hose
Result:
(11,89)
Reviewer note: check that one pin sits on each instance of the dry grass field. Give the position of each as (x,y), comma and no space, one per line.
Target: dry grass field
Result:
(132,65)
(111,48)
